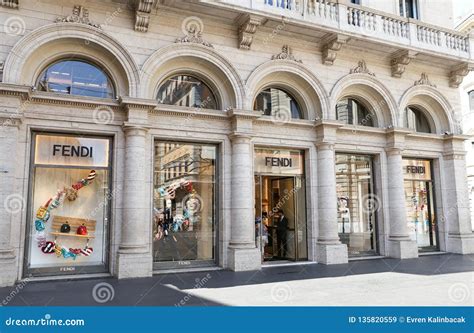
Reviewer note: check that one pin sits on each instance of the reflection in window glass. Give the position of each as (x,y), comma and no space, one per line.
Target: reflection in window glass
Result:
(352,112)
(416,120)
(183,219)
(274,101)
(471,100)
(76,77)
(185,90)
(356,203)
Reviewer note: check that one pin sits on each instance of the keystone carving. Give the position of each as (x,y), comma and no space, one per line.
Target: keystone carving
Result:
(193,35)
(424,81)
(458,73)
(400,60)
(331,45)
(79,15)
(285,54)
(142,14)
(248,25)
(361,68)
(9,3)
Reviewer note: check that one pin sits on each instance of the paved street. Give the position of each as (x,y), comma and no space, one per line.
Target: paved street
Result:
(430,280)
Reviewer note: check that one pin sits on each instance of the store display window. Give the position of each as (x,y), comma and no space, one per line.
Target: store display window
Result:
(357,204)
(69,205)
(184,204)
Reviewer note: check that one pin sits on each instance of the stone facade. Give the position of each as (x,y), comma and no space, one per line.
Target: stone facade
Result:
(140,45)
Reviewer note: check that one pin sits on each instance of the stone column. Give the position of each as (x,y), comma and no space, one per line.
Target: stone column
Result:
(329,249)
(456,215)
(399,243)
(134,256)
(243,254)
(12,203)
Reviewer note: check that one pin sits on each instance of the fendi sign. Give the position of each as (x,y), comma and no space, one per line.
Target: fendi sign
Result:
(71,151)
(278,162)
(416,169)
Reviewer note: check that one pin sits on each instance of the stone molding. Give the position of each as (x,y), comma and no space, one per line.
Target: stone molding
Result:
(332,43)
(10,3)
(247,26)
(142,14)
(400,60)
(286,54)
(458,73)
(26,47)
(361,68)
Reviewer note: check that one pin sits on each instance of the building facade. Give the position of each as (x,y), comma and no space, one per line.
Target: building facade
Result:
(147,136)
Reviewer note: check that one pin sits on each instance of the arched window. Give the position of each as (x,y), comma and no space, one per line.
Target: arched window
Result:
(274,100)
(416,120)
(76,77)
(353,112)
(187,90)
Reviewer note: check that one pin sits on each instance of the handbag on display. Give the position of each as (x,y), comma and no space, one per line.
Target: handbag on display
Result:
(82,230)
(65,228)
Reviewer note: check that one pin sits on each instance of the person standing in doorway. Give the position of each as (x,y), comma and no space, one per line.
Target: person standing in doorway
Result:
(282,231)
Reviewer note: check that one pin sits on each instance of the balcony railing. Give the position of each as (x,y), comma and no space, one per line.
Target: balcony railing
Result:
(365,21)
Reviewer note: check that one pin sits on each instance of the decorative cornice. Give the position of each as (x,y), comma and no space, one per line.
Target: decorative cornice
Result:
(79,15)
(285,54)
(9,3)
(194,35)
(401,59)
(361,68)
(424,81)
(247,28)
(331,44)
(458,73)
(142,14)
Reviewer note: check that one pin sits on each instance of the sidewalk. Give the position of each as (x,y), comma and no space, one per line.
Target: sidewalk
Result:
(445,279)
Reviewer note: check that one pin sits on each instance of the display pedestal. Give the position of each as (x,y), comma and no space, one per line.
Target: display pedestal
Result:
(404,248)
(460,243)
(134,264)
(245,259)
(330,254)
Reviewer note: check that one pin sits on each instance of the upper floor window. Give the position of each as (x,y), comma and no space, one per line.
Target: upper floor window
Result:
(416,120)
(471,100)
(273,100)
(353,112)
(76,77)
(187,90)
(409,8)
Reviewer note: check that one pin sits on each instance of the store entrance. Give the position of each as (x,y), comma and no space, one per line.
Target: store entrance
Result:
(280,218)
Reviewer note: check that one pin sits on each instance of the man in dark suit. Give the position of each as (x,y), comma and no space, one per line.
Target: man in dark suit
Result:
(282,230)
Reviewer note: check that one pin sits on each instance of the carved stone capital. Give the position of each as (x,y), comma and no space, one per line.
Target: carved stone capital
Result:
(401,59)
(142,14)
(458,73)
(10,3)
(361,68)
(331,44)
(248,25)
(285,54)
(79,15)
(424,81)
